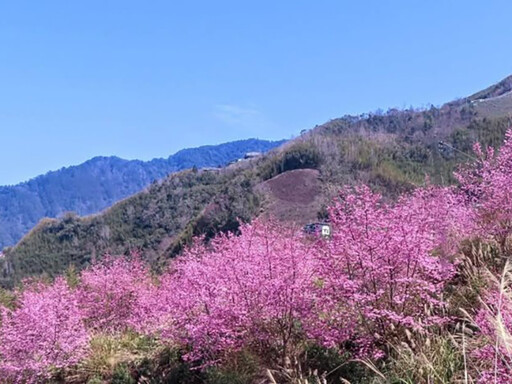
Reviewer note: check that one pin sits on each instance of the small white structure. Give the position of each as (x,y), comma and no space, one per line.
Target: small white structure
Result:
(318,229)
(326,230)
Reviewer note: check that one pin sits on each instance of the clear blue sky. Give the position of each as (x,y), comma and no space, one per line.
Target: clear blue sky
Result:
(143,79)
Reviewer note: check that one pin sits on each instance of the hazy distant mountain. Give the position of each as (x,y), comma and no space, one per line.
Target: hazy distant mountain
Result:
(98,183)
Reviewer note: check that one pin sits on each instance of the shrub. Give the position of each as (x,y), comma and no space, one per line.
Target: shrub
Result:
(486,185)
(43,334)
(302,154)
(247,291)
(492,351)
(378,273)
(110,294)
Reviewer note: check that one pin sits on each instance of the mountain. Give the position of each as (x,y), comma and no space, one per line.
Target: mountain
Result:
(98,183)
(495,100)
(392,152)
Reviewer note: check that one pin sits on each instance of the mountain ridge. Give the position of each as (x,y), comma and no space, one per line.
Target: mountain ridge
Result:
(498,89)
(392,152)
(99,182)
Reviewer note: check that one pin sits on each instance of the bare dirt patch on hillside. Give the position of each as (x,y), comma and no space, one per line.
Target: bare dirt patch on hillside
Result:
(293,196)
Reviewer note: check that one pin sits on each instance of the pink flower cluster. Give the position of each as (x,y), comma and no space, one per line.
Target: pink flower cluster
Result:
(248,290)
(270,289)
(488,185)
(111,293)
(386,266)
(44,333)
(494,352)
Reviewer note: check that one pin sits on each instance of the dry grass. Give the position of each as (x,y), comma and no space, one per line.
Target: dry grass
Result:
(489,264)
(289,378)
(502,335)
(109,352)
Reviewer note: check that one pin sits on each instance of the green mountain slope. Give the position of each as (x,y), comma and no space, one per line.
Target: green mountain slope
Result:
(100,182)
(392,152)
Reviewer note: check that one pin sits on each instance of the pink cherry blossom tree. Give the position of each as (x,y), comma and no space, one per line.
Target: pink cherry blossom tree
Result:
(386,265)
(487,185)
(44,332)
(251,291)
(110,293)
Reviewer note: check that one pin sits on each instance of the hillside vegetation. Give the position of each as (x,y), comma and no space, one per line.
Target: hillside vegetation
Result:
(98,183)
(415,289)
(392,152)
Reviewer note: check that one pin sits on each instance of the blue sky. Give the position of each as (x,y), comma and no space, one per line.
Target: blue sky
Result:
(143,79)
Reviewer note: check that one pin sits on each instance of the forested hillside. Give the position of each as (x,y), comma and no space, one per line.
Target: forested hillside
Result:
(100,182)
(392,152)
(416,289)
